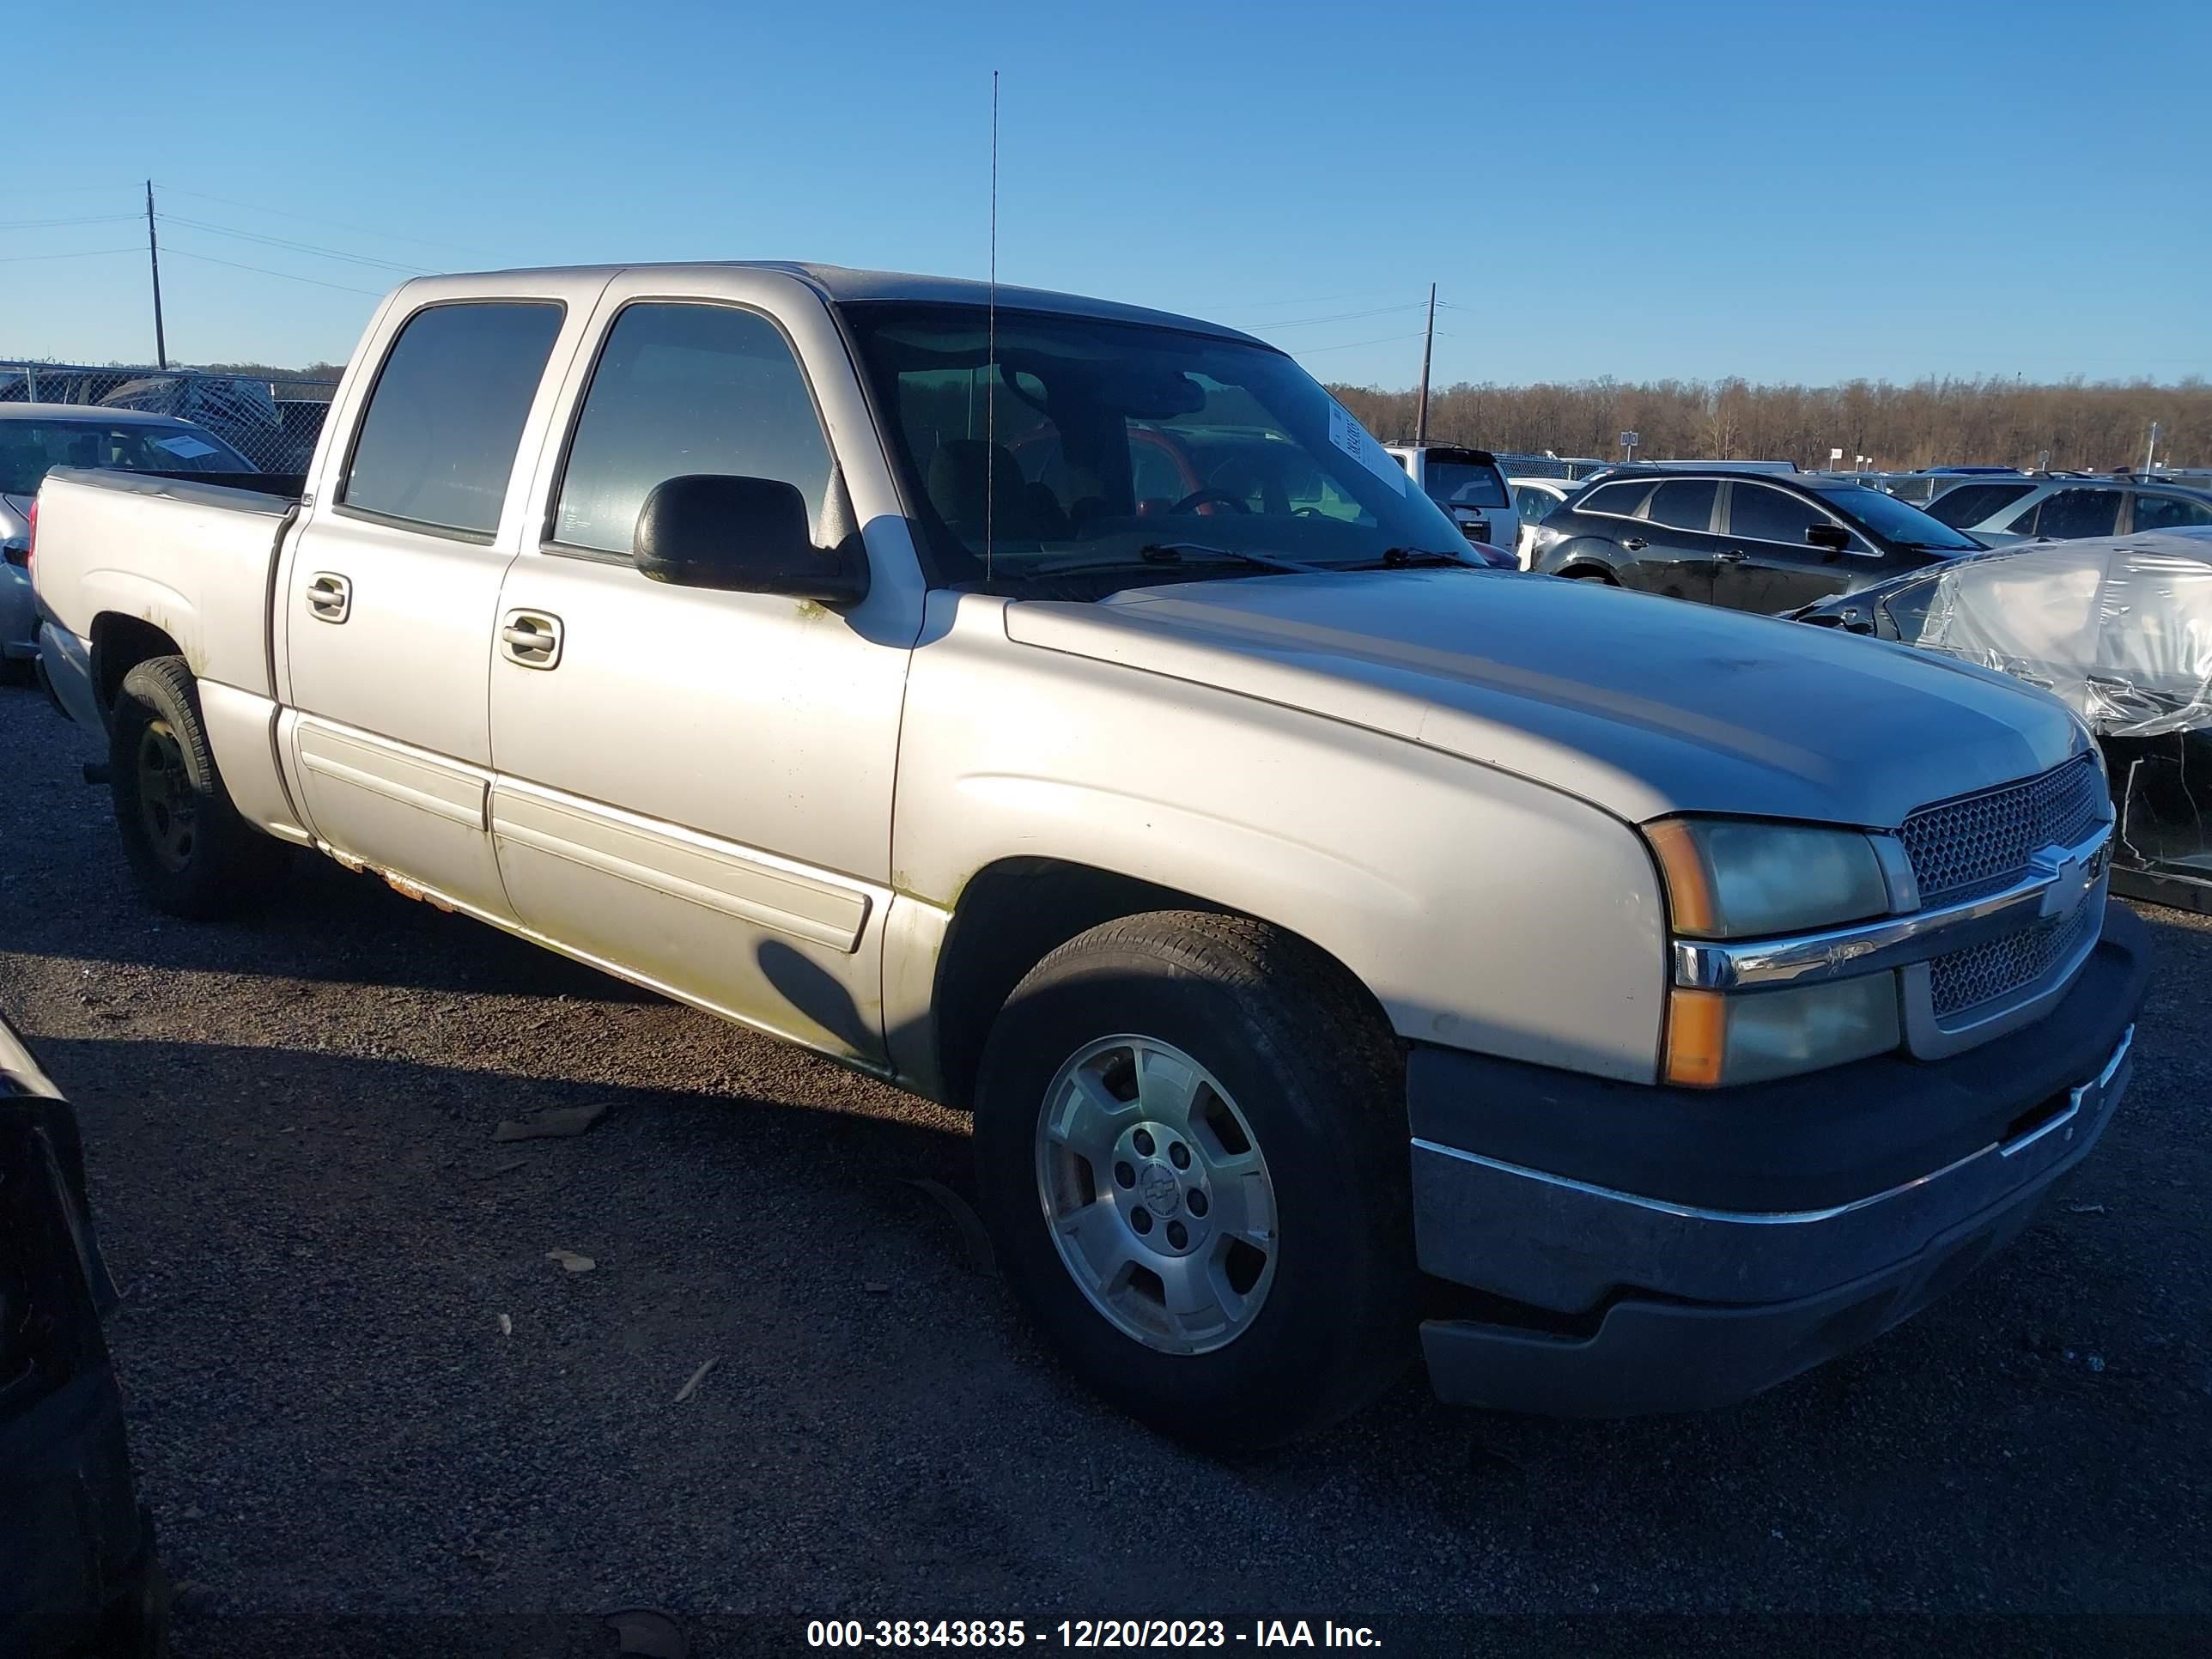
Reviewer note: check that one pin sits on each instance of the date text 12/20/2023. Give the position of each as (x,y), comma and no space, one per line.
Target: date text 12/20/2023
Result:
(1086,1634)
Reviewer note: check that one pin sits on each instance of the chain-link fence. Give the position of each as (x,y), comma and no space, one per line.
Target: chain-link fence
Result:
(271,419)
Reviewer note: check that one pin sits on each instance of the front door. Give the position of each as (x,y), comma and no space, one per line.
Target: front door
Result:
(1767,565)
(695,786)
(390,593)
(1676,549)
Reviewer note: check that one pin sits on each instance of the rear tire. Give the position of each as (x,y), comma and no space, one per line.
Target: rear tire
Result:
(1591,574)
(187,844)
(1233,1295)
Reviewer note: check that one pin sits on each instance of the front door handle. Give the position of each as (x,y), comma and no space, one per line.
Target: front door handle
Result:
(1734,556)
(530,639)
(1636,543)
(329,596)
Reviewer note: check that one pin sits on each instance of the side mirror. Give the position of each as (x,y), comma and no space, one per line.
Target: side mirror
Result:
(1829,537)
(746,536)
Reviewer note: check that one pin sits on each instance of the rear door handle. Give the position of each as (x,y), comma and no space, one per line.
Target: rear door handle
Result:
(1734,556)
(329,596)
(530,639)
(1636,543)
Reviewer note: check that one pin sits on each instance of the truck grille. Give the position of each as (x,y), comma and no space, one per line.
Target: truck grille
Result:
(1962,848)
(1982,973)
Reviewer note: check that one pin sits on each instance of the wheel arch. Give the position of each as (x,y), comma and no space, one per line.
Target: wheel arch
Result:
(119,643)
(1016,911)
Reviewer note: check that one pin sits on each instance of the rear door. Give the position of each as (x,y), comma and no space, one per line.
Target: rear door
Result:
(1767,565)
(390,588)
(695,786)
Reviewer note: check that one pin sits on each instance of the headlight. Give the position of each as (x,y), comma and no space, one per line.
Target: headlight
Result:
(1729,878)
(1715,1039)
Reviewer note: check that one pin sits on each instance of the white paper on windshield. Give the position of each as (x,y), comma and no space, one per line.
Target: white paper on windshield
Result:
(1355,440)
(188,447)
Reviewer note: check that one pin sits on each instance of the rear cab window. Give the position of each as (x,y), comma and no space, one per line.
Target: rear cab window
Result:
(437,443)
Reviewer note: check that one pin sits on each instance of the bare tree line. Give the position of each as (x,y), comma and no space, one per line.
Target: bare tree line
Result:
(1932,422)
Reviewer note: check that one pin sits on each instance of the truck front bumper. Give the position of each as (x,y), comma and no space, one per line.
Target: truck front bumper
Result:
(1650,1250)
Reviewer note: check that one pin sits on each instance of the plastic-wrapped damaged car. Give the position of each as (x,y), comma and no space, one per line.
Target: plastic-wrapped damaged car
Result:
(2120,628)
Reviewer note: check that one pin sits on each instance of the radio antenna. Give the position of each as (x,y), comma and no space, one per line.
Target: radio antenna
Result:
(991,348)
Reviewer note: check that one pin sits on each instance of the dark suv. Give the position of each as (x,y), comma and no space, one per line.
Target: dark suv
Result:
(1765,541)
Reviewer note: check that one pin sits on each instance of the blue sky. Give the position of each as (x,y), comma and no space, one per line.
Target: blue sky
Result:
(1698,190)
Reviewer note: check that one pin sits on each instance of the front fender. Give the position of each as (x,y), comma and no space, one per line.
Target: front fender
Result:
(1584,553)
(1482,910)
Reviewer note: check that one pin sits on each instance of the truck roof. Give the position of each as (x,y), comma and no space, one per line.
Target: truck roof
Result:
(839,283)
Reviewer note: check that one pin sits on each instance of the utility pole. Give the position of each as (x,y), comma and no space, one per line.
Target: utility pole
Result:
(1428,344)
(2150,455)
(154,260)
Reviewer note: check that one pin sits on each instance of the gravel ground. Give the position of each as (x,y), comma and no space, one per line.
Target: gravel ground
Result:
(359,1385)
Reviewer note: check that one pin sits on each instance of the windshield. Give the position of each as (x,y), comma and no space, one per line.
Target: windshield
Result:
(1087,442)
(29,448)
(1463,484)
(1898,521)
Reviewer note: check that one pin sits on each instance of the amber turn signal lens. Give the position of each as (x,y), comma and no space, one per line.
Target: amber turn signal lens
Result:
(1697,1035)
(1689,894)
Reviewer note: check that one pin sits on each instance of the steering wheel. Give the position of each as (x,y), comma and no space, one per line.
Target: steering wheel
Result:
(1198,498)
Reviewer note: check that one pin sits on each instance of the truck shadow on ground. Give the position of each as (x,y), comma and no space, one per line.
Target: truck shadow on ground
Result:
(318,1250)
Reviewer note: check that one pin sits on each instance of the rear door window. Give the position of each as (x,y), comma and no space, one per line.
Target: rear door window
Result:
(1621,500)
(2075,512)
(1758,512)
(437,443)
(1969,504)
(1684,504)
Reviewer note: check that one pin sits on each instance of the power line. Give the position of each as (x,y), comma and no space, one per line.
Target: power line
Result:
(296,247)
(81,253)
(1241,304)
(1340,316)
(48,224)
(308,218)
(209,259)
(1347,345)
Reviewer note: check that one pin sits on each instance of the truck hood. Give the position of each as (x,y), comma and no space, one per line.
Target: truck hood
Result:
(1640,704)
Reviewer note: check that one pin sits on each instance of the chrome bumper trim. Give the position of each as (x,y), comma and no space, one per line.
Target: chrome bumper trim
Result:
(2060,879)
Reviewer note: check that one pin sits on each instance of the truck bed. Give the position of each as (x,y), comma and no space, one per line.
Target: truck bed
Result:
(193,555)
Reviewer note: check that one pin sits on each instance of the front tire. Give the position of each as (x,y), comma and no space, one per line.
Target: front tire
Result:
(185,842)
(1191,1150)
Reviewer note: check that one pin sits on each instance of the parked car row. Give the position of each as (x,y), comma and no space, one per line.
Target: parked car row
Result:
(35,437)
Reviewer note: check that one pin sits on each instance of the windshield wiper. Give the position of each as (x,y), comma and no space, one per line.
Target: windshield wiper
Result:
(1403,558)
(1156,553)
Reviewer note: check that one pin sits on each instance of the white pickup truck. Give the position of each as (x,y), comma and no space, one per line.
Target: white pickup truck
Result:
(1068,711)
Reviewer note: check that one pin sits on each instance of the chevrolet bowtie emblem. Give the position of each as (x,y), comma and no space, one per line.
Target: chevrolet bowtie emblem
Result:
(2073,876)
